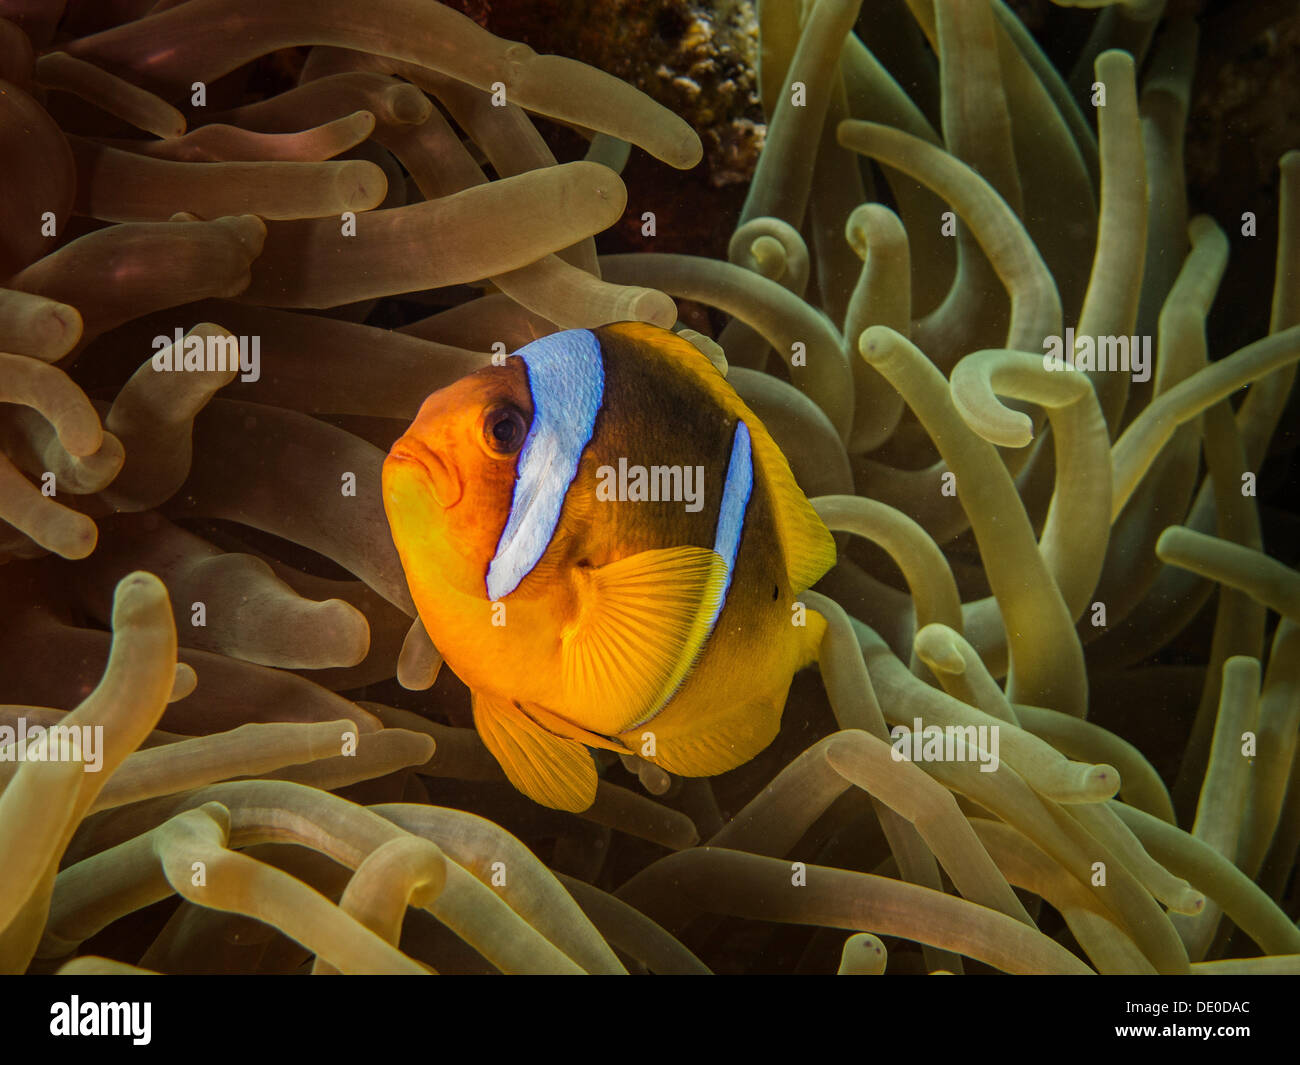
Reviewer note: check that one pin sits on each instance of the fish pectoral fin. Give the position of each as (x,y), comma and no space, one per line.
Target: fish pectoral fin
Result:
(706,744)
(552,770)
(640,626)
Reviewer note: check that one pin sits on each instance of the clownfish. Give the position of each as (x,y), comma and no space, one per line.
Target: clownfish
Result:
(606,545)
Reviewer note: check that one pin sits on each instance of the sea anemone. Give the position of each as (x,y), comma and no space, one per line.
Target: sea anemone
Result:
(222,304)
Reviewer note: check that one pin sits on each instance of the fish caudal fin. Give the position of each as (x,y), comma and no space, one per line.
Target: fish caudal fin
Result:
(806,543)
(640,626)
(553,770)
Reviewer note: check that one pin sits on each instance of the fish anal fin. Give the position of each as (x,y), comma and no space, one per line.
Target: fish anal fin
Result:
(806,544)
(704,745)
(640,625)
(555,771)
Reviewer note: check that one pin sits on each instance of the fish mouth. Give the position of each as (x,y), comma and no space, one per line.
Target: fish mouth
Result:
(443,480)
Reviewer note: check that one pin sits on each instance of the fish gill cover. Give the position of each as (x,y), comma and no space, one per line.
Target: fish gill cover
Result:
(1052,726)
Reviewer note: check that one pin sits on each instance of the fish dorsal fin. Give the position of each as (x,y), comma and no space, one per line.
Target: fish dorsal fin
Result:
(640,625)
(806,544)
(555,771)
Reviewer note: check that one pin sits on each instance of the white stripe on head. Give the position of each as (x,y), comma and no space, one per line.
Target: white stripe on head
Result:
(566,378)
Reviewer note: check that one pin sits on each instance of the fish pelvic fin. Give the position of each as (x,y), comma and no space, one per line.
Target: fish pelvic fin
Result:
(563,727)
(555,771)
(640,626)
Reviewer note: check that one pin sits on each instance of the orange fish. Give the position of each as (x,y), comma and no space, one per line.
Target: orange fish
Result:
(606,546)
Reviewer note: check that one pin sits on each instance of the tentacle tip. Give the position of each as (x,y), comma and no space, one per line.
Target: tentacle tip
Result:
(140,598)
(935,646)
(949,661)
(407,104)
(873,343)
(1102,781)
(1168,541)
(81,541)
(687,153)
(656,308)
(606,184)
(1015,433)
(986,416)
(183,683)
(1112,57)
(360,184)
(249,231)
(415,680)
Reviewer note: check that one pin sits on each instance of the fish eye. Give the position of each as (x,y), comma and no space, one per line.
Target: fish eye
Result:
(504,429)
